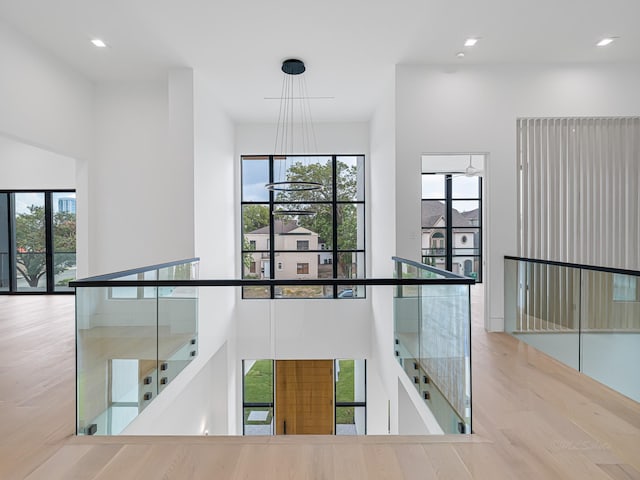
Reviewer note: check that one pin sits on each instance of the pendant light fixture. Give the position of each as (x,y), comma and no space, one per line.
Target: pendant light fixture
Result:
(294,130)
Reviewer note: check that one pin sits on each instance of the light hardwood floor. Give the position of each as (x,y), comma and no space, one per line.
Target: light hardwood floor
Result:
(533,418)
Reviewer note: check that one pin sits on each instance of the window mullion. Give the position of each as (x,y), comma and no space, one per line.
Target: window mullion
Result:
(449,219)
(334,198)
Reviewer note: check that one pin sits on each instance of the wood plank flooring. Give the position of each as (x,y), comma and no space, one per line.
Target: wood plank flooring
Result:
(533,417)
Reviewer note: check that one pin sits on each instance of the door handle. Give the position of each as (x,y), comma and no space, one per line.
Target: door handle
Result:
(285,427)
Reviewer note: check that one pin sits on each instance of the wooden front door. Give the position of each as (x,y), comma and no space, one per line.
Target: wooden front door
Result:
(304,397)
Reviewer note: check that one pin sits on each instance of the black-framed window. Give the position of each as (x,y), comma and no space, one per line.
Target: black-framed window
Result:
(350,397)
(452,223)
(37,241)
(283,229)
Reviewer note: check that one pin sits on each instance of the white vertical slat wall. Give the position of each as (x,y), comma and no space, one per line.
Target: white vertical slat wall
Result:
(579,190)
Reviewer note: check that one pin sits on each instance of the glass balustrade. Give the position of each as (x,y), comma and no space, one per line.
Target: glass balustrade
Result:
(586,317)
(432,328)
(132,341)
(137,331)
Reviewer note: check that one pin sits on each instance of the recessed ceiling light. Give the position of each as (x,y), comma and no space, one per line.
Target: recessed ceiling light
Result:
(605,41)
(98,43)
(470,42)
(460,54)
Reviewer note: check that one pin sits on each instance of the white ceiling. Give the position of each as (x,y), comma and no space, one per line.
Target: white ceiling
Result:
(350,46)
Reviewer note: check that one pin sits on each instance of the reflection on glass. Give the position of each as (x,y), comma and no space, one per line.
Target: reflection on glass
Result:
(433,186)
(63,206)
(31,268)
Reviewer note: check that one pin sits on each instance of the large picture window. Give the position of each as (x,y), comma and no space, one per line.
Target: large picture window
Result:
(452,221)
(37,241)
(285,229)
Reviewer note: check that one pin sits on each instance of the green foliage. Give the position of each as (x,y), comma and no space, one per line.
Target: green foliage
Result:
(322,221)
(258,382)
(345,392)
(254,217)
(31,248)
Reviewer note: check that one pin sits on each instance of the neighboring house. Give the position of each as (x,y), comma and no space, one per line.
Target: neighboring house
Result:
(294,262)
(465,242)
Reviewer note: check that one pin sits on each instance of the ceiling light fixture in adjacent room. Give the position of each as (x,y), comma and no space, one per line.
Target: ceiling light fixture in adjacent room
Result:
(470,42)
(293,121)
(98,43)
(606,41)
(460,54)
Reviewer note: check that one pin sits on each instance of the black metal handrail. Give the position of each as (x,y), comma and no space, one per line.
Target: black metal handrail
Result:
(555,263)
(133,271)
(109,280)
(445,273)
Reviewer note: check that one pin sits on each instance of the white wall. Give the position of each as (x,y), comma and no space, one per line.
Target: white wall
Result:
(215,228)
(26,167)
(382,400)
(474,109)
(140,183)
(189,406)
(350,137)
(43,102)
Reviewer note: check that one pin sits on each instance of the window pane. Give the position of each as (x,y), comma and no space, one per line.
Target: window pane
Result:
(64,239)
(350,381)
(466,212)
(350,224)
(255,175)
(434,241)
(4,241)
(433,214)
(304,266)
(350,420)
(432,186)
(258,421)
(350,181)
(304,169)
(467,266)
(258,381)
(465,187)
(316,229)
(30,242)
(255,220)
(466,241)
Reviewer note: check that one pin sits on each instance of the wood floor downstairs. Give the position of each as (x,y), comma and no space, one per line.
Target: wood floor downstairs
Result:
(533,417)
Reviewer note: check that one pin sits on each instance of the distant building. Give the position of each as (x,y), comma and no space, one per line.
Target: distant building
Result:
(465,242)
(67,205)
(296,262)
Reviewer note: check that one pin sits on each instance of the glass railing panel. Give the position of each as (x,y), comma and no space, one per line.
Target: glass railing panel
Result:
(610,333)
(117,357)
(406,317)
(445,354)
(542,304)
(177,331)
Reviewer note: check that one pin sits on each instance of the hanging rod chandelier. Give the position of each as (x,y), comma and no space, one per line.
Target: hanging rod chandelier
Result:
(293,121)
